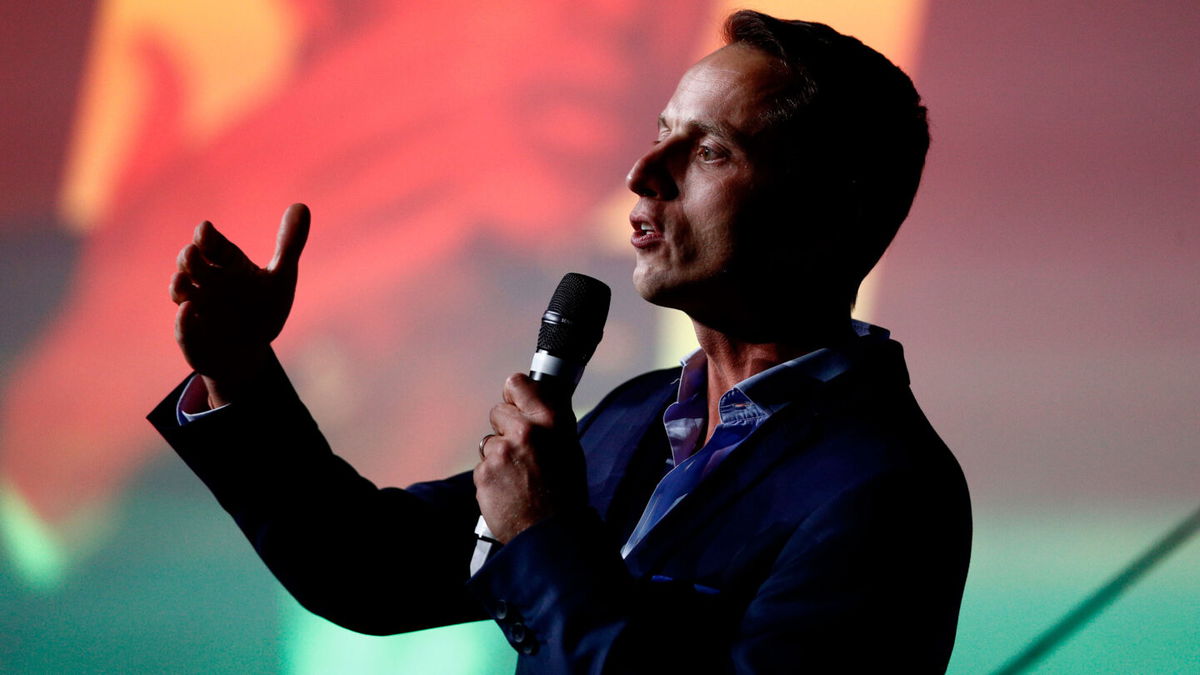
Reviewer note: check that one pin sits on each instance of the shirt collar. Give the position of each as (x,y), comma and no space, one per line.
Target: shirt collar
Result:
(775,387)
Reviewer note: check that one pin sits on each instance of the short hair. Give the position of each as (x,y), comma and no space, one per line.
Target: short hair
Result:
(859,120)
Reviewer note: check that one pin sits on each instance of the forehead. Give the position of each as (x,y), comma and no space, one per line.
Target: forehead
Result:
(734,88)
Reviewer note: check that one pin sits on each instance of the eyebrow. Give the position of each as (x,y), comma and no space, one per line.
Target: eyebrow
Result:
(722,131)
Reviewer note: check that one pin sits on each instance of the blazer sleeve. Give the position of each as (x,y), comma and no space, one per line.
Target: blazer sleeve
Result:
(377,561)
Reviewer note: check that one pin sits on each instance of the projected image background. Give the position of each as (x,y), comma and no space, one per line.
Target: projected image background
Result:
(459,157)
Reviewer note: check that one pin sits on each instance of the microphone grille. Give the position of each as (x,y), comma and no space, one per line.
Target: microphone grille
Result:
(574,321)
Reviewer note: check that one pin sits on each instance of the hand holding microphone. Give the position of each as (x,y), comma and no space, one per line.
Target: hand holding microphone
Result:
(532,466)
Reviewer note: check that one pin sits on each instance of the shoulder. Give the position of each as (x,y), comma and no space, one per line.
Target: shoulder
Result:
(646,383)
(645,389)
(862,432)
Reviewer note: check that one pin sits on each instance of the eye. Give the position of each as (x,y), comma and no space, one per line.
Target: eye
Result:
(707,154)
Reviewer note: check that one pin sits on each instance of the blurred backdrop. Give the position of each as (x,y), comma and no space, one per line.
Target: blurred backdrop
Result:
(459,157)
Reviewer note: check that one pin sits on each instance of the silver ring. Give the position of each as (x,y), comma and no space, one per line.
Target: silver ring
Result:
(482,442)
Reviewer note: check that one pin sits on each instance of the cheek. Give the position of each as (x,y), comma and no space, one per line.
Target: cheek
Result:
(722,220)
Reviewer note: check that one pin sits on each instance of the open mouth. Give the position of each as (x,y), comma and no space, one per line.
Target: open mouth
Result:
(644,233)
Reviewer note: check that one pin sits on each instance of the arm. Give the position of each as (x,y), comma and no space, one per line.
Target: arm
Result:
(377,561)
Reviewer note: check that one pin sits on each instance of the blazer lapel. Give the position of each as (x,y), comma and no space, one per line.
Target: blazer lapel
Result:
(758,454)
(613,439)
(788,431)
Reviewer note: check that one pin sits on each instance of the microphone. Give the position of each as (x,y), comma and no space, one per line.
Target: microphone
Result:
(571,328)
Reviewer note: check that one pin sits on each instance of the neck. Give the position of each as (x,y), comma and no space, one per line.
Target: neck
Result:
(732,358)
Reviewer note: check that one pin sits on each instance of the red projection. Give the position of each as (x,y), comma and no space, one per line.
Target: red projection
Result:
(444,149)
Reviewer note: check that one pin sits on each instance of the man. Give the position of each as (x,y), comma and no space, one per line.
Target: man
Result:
(809,518)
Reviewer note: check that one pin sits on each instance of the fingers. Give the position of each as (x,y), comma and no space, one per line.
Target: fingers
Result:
(289,243)
(522,392)
(497,451)
(184,308)
(522,415)
(182,289)
(509,424)
(192,263)
(217,249)
(186,325)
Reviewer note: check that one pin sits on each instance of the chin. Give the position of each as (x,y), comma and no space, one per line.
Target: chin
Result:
(663,292)
(648,285)
(648,292)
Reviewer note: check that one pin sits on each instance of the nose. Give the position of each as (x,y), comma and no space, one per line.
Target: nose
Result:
(651,175)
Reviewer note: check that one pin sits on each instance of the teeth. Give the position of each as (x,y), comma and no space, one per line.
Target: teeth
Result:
(647,228)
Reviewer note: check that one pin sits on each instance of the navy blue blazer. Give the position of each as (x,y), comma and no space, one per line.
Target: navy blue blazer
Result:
(835,539)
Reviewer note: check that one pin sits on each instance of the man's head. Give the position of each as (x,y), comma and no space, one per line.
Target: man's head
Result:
(788,157)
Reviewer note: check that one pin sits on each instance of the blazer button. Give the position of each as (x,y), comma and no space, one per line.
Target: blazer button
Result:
(518,633)
(501,610)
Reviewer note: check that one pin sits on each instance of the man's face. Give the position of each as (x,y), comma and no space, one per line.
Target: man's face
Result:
(709,186)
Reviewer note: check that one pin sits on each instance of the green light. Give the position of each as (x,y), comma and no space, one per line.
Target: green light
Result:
(314,646)
(37,556)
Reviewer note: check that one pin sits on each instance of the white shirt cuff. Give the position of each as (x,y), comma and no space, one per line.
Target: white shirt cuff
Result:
(193,402)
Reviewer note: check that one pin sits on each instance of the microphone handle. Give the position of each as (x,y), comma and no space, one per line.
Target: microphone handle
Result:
(557,377)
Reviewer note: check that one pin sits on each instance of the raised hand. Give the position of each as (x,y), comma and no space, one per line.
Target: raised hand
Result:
(231,309)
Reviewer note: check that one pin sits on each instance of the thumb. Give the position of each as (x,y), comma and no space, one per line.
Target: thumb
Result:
(293,233)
